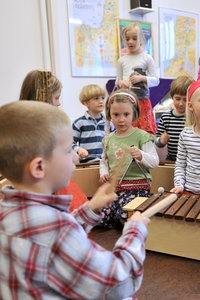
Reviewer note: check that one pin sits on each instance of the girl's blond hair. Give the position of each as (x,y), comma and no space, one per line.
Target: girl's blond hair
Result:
(191,92)
(39,85)
(190,118)
(136,28)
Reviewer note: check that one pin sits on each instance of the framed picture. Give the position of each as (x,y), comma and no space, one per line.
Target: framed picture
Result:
(93,37)
(147,30)
(178,43)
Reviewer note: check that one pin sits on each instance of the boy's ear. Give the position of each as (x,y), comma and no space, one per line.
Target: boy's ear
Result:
(85,103)
(36,168)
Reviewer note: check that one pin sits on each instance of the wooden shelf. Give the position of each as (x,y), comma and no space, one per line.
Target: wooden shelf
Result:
(141,10)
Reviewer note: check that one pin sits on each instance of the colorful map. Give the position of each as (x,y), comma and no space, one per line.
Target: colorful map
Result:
(93,37)
(178,43)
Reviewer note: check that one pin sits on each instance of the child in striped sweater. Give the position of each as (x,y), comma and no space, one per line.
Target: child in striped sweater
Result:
(89,129)
(172,122)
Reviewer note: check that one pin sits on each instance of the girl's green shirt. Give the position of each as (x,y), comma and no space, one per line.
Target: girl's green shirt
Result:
(115,151)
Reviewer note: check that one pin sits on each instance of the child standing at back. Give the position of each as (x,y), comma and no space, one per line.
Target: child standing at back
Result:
(45,252)
(136,71)
(89,129)
(44,86)
(187,167)
(134,145)
(172,122)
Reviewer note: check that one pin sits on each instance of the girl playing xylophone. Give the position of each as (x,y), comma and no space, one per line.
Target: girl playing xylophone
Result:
(187,168)
(123,108)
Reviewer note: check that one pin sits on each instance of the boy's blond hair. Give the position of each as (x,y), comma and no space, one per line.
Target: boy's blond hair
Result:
(27,130)
(90,91)
(180,85)
(134,27)
(39,85)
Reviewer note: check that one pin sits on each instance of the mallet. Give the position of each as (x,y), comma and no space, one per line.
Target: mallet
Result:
(167,201)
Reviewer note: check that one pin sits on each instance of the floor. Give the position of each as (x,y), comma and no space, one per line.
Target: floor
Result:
(166,277)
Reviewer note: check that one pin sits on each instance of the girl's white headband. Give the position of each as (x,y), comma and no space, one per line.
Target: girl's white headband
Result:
(131,98)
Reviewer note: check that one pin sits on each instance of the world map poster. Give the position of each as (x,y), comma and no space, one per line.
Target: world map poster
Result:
(178,43)
(93,37)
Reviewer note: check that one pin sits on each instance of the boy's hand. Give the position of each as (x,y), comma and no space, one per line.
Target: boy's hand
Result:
(164,138)
(102,198)
(137,216)
(82,153)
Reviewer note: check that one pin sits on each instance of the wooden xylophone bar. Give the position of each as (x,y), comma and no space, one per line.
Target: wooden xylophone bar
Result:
(174,230)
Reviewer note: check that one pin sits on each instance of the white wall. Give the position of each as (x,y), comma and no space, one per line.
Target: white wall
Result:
(26,44)
(22,44)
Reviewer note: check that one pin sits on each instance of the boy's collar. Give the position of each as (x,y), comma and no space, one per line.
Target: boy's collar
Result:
(61,202)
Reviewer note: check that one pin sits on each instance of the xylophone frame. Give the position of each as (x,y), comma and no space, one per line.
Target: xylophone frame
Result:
(169,235)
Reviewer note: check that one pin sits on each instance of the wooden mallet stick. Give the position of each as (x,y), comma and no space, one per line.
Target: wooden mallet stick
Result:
(167,201)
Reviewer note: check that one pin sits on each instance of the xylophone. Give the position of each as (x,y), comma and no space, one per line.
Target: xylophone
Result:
(173,230)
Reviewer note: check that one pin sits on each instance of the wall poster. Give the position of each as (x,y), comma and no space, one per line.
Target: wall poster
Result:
(178,43)
(93,37)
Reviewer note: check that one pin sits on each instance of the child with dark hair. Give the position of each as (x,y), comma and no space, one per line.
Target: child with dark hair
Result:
(172,122)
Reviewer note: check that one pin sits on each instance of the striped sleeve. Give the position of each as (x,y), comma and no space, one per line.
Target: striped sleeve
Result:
(187,172)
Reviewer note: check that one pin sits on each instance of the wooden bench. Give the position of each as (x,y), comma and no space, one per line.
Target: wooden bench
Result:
(87,177)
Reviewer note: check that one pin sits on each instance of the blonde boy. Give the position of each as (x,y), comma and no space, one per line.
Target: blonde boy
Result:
(44,250)
(89,129)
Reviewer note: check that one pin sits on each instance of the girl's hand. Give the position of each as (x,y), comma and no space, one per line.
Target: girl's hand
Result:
(177,190)
(103,179)
(136,78)
(102,198)
(136,153)
(123,84)
(83,153)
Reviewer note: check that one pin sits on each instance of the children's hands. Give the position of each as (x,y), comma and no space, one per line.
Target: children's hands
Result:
(137,78)
(83,153)
(137,216)
(102,198)
(164,138)
(123,84)
(177,190)
(136,153)
(103,179)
